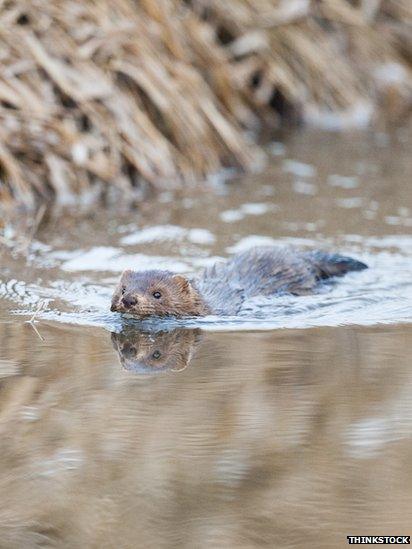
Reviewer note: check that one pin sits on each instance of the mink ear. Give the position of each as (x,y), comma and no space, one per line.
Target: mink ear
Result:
(182,360)
(182,282)
(126,272)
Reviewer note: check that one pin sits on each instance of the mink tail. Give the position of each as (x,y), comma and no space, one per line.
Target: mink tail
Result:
(328,265)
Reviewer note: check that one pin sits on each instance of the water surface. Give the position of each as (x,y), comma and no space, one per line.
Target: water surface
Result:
(288,427)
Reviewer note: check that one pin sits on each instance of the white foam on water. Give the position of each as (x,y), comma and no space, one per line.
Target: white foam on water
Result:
(298,168)
(379,295)
(164,233)
(250,208)
(343,181)
(102,258)
(302,187)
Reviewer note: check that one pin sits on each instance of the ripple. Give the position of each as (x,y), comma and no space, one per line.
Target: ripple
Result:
(343,181)
(298,168)
(250,208)
(163,233)
(381,294)
(105,258)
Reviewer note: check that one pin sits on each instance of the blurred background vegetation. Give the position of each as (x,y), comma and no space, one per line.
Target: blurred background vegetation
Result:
(113,98)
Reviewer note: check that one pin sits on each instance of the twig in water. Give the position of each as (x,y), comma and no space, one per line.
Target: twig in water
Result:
(40,306)
(37,331)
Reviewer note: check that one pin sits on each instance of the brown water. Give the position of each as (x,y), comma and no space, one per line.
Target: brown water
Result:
(288,427)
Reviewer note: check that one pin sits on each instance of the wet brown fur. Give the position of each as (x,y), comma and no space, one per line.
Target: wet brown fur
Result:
(178,296)
(223,288)
(154,352)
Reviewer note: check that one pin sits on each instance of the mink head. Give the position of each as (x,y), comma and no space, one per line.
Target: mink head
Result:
(155,352)
(156,293)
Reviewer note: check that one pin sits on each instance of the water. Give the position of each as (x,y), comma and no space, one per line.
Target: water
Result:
(288,427)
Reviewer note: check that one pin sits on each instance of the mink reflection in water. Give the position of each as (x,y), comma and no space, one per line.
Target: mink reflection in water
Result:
(152,352)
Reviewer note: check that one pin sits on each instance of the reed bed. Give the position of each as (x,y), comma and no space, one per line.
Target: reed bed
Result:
(113,97)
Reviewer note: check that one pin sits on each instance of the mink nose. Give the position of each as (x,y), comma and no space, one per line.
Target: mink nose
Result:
(128,350)
(129,301)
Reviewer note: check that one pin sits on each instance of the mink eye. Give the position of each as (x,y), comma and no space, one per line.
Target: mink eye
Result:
(157,295)
(123,290)
(156,355)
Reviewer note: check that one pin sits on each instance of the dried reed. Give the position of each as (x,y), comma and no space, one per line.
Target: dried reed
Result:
(99,95)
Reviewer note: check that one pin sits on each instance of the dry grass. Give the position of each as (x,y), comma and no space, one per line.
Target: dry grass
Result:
(106,94)
(316,57)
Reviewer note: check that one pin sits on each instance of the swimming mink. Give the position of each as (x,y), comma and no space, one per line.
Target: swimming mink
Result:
(222,289)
